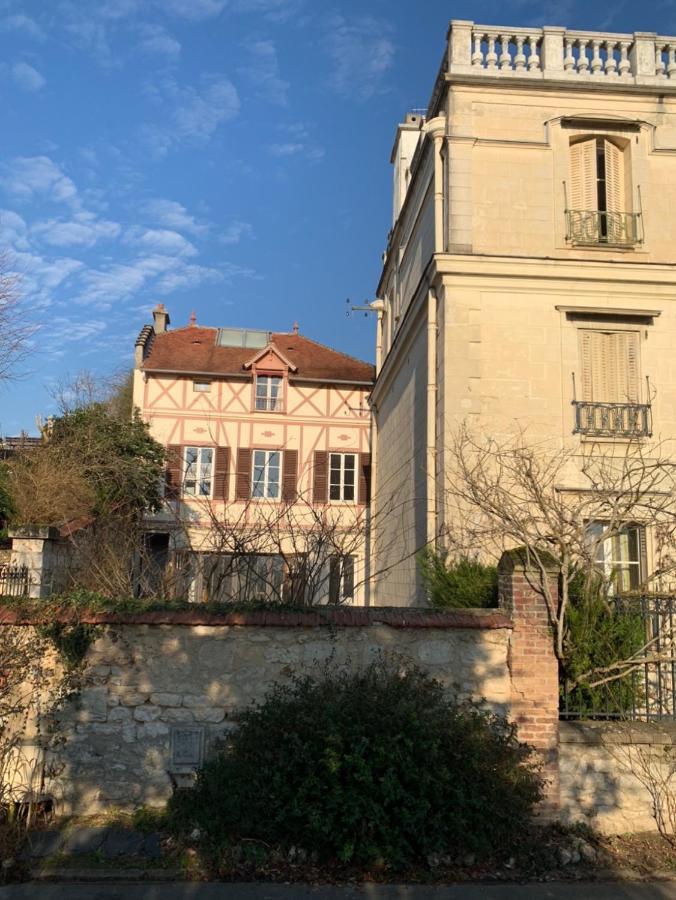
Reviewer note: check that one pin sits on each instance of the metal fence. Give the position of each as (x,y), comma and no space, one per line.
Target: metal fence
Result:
(613,419)
(646,691)
(14,581)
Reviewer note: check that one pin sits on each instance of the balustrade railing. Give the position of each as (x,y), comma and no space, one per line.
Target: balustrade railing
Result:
(560,53)
(612,419)
(591,227)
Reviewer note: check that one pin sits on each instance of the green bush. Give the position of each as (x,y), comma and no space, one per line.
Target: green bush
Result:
(599,632)
(377,765)
(463,583)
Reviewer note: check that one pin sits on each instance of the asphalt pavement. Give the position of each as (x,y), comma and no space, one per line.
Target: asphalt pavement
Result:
(259,891)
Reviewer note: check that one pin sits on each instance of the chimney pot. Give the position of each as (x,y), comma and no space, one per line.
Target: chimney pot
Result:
(160,319)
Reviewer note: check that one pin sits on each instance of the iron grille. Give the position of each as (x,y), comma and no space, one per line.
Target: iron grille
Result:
(612,419)
(647,689)
(13,581)
(592,227)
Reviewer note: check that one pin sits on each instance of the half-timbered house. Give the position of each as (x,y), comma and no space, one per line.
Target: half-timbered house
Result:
(268,462)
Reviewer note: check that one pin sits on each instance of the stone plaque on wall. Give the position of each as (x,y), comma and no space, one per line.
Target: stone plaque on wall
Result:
(187,747)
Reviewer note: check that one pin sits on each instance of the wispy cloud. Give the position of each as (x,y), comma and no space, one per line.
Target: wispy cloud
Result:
(163,240)
(362,52)
(171,214)
(27,78)
(157,41)
(297,141)
(24,24)
(262,71)
(84,230)
(33,176)
(234,233)
(194,9)
(195,113)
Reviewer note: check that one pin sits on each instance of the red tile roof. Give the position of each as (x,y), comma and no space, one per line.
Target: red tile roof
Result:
(194,350)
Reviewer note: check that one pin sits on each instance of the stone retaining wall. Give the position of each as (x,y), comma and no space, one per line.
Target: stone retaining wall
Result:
(606,771)
(158,696)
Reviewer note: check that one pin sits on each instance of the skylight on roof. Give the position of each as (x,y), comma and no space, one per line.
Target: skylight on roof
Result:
(242,337)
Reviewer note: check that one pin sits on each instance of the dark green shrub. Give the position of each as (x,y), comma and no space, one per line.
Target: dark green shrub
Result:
(600,632)
(463,583)
(366,766)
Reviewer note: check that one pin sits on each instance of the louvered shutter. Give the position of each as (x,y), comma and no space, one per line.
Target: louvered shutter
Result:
(290,476)
(174,471)
(364,478)
(610,366)
(643,554)
(221,473)
(334,579)
(320,477)
(583,194)
(243,476)
(586,366)
(614,177)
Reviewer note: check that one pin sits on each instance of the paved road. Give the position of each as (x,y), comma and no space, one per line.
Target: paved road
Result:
(561,891)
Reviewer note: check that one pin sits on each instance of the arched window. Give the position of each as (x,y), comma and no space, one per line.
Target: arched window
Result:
(599,207)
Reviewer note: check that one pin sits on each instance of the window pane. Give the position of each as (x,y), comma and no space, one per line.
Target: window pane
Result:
(274,460)
(190,454)
(207,454)
(273,490)
(205,487)
(349,462)
(334,492)
(348,492)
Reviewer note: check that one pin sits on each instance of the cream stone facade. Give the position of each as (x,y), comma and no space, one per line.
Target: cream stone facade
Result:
(268,440)
(530,240)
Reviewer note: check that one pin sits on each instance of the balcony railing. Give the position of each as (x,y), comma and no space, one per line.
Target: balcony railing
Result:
(591,227)
(612,419)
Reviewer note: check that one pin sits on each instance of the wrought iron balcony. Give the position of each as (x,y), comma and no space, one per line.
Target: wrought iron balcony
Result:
(591,228)
(613,419)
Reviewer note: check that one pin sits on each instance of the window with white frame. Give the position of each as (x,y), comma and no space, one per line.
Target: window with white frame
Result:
(198,470)
(342,476)
(620,556)
(269,393)
(266,474)
(201,387)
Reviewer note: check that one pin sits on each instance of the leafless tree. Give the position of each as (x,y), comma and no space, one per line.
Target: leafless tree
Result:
(15,330)
(561,505)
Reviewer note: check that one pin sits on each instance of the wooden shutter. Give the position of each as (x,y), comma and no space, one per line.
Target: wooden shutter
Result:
(364,478)
(222,473)
(174,471)
(610,366)
(583,194)
(243,475)
(614,178)
(290,476)
(320,477)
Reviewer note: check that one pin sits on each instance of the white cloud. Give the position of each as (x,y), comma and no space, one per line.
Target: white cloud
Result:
(235,232)
(33,176)
(163,240)
(13,230)
(84,229)
(20,22)
(195,112)
(27,78)
(40,277)
(194,9)
(171,214)
(263,71)
(156,40)
(200,112)
(298,142)
(361,52)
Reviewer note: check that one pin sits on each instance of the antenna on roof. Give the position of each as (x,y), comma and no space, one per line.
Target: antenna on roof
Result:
(193,318)
(365,309)
(296,327)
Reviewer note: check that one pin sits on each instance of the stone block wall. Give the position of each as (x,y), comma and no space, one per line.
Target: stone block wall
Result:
(607,770)
(159,694)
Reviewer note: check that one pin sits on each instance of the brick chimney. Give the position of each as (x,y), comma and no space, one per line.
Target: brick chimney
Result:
(160,319)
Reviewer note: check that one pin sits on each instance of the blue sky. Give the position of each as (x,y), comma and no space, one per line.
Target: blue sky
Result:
(225,156)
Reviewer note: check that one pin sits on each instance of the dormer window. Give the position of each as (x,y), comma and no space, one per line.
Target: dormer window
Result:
(599,206)
(269,393)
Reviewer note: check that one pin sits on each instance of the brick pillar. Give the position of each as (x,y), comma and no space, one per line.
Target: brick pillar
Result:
(534,670)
